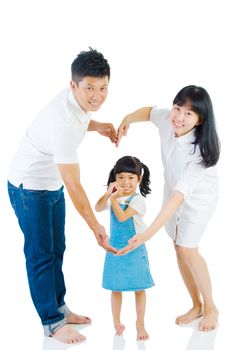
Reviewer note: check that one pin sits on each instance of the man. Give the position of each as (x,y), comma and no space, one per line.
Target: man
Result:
(47,158)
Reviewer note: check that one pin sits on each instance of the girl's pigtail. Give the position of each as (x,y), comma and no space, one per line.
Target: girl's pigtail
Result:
(111,177)
(145,182)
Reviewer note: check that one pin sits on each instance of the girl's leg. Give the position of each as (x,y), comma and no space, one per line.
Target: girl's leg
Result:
(116,305)
(198,268)
(140,301)
(193,290)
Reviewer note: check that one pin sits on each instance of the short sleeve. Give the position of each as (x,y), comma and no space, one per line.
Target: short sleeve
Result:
(138,204)
(191,177)
(158,116)
(64,141)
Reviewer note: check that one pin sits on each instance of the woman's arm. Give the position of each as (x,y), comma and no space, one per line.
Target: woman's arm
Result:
(141,115)
(174,202)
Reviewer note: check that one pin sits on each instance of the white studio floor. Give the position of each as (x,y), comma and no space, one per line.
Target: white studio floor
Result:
(20,325)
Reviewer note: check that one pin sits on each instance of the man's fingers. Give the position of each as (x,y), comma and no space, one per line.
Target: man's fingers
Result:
(112,250)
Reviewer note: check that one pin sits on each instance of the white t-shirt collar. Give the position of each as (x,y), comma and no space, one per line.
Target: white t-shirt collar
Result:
(187,138)
(82,115)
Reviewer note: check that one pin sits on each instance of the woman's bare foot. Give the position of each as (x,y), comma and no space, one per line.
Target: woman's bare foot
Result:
(78,319)
(119,327)
(141,332)
(209,321)
(190,316)
(68,335)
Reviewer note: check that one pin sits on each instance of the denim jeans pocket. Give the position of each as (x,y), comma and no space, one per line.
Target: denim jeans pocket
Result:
(13,200)
(34,193)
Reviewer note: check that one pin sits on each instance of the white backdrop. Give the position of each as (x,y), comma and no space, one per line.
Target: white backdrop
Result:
(154,49)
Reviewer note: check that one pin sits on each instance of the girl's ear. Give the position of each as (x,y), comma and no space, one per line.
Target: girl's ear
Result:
(140,178)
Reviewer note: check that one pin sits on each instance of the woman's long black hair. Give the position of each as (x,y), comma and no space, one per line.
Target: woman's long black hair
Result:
(205,133)
(132,165)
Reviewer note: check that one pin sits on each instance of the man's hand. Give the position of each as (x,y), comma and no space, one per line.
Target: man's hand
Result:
(103,239)
(108,130)
(105,129)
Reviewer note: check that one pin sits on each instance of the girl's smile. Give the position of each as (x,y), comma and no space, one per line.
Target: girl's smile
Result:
(128,182)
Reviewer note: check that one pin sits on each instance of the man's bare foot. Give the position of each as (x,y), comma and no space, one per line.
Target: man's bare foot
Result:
(68,335)
(190,316)
(141,332)
(119,327)
(78,319)
(209,321)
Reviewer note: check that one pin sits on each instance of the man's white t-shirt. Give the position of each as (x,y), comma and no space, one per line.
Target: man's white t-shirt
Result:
(52,138)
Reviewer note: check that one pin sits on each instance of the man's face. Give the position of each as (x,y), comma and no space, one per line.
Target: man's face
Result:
(90,92)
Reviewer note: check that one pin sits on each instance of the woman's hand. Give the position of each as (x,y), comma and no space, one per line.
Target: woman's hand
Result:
(122,130)
(133,243)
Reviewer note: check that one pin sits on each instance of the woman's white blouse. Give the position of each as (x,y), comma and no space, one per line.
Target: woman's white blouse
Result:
(184,173)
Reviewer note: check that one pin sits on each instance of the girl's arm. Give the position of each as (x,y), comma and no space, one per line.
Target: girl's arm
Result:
(174,202)
(101,203)
(121,215)
(141,115)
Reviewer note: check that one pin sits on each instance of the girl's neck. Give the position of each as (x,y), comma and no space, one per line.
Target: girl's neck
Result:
(127,194)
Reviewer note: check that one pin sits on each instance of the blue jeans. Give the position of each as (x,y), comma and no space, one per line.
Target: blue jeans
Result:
(41,216)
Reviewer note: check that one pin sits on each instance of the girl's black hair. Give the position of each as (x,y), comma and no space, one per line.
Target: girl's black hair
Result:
(132,165)
(205,133)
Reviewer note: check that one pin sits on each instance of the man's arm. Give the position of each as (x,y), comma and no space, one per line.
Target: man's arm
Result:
(104,129)
(71,176)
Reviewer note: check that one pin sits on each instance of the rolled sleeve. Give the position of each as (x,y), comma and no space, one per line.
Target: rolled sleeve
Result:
(192,176)
(64,144)
(157,116)
(183,187)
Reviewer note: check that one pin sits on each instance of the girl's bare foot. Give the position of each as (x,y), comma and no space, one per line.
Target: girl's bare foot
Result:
(68,335)
(141,332)
(77,319)
(190,316)
(209,321)
(119,327)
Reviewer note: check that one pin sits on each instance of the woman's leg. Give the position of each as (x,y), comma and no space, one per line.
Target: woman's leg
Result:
(140,301)
(193,290)
(116,305)
(199,272)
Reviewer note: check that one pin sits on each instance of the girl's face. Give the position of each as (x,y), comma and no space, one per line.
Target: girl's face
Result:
(183,119)
(128,182)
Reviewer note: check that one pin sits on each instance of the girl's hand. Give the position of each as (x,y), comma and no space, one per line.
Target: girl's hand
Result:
(114,190)
(133,243)
(122,130)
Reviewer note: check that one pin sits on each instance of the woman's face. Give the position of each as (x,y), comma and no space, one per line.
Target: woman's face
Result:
(183,119)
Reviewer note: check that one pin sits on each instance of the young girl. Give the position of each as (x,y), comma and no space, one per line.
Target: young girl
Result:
(190,150)
(130,272)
